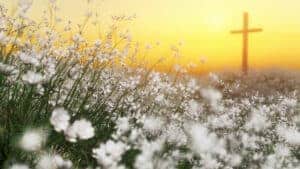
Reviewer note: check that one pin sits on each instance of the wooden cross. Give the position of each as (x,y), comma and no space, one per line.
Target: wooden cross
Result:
(245,31)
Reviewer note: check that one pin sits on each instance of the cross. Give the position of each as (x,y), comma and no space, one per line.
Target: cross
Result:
(245,31)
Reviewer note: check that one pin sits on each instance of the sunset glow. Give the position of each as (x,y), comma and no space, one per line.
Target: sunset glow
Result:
(202,27)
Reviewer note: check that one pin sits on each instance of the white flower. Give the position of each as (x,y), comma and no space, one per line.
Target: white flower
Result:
(81,129)
(289,102)
(77,38)
(25,4)
(61,163)
(145,159)
(250,141)
(290,135)
(3,38)
(32,77)
(194,108)
(60,119)
(97,43)
(32,140)
(46,162)
(49,161)
(297,121)
(235,160)
(208,162)
(123,125)
(110,153)
(213,96)
(203,142)
(160,98)
(192,84)
(7,69)
(175,134)
(153,124)
(29,59)
(258,121)
(19,166)
(276,160)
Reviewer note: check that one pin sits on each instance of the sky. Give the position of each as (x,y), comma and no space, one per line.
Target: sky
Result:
(201,28)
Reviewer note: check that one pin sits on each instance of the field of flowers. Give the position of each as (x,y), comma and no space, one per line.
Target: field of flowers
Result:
(68,104)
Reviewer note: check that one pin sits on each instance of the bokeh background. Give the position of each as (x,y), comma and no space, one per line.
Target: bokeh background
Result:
(199,28)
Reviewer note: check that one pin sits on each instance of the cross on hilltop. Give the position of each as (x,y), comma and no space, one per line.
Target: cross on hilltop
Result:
(245,31)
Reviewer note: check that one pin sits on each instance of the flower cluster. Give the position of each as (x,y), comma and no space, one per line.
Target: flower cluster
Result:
(80,104)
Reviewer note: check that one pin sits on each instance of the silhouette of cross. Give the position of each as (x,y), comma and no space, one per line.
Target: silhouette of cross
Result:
(245,31)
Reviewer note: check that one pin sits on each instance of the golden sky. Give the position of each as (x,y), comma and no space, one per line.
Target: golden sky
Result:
(202,26)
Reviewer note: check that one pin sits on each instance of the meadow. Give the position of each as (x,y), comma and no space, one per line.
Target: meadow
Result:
(73,103)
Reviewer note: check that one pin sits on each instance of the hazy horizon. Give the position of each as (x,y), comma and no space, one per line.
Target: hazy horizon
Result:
(202,27)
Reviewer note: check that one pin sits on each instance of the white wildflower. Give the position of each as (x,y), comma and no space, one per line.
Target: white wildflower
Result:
(213,96)
(7,69)
(61,163)
(49,161)
(276,160)
(192,85)
(29,59)
(77,38)
(46,162)
(250,141)
(32,140)
(208,162)
(60,119)
(3,38)
(110,153)
(222,121)
(160,98)
(289,102)
(81,129)
(98,43)
(32,77)
(145,159)
(258,121)
(175,134)
(24,6)
(290,135)
(202,141)
(297,121)
(235,160)
(19,166)
(153,124)
(123,125)
(194,108)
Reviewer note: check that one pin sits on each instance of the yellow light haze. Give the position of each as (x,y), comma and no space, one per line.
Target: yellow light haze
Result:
(203,27)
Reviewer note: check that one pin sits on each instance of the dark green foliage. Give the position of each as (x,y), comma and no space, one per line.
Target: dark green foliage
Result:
(129,158)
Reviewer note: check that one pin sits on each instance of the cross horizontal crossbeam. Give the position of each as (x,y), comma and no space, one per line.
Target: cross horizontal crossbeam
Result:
(249,31)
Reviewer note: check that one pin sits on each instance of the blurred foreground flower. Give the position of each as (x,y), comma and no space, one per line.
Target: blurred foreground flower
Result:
(60,119)
(19,166)
(32,140)
(33,78)
(81,129)
(48,161)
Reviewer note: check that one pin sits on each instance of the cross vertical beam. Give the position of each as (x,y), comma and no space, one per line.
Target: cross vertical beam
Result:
(245,42)
(245,31)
